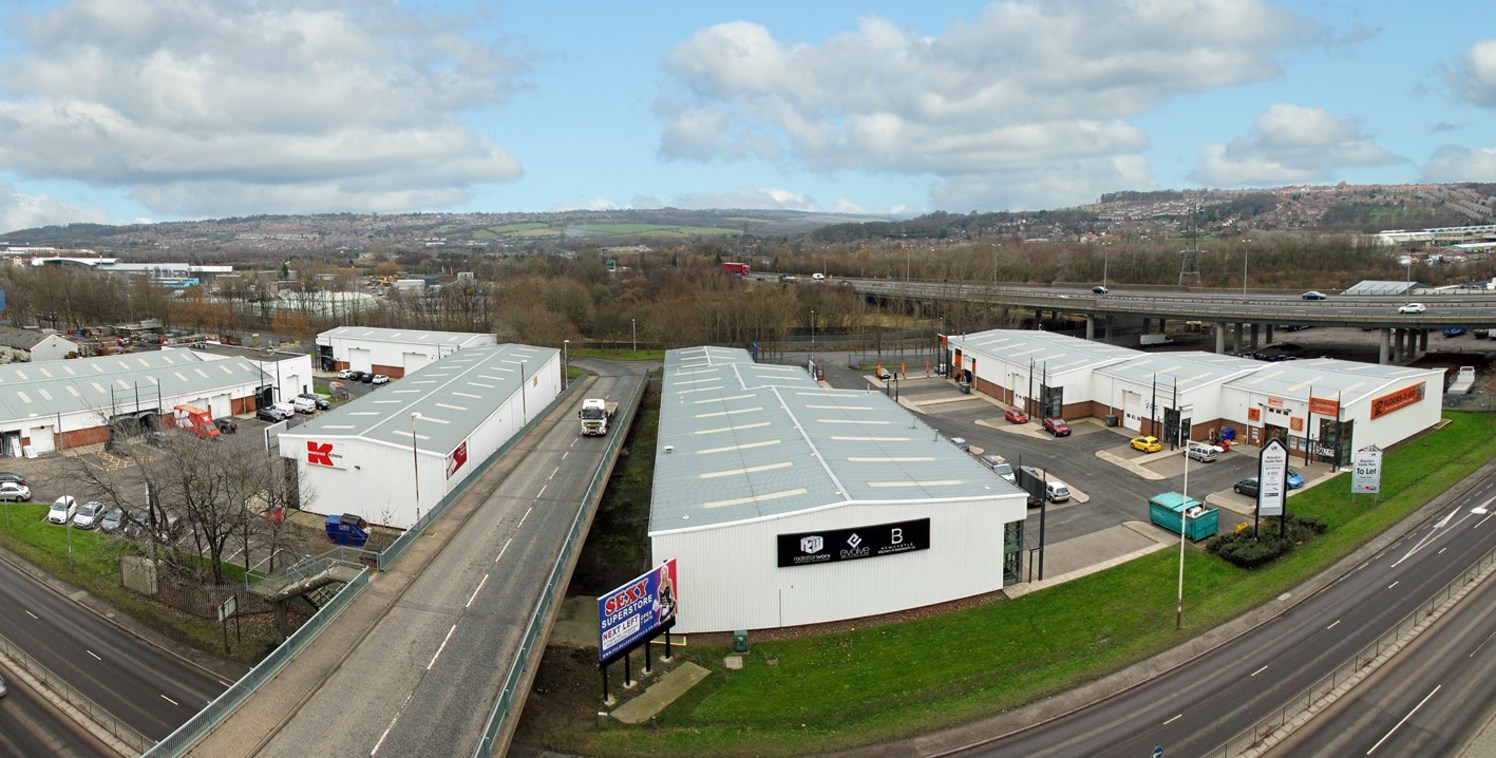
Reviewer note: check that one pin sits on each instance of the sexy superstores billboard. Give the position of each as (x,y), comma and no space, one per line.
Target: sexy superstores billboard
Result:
(637,611)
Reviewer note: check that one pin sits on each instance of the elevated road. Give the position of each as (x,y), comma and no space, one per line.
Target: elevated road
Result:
(31,726)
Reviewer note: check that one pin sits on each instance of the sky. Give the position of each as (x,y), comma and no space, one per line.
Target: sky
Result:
(126,111)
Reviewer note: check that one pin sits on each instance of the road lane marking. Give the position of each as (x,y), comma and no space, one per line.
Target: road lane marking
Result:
(169,700)
(392,723)
(443,647)
(1441,551)
(226,684)
(522,518)
(1394,584)
(95,655)
(502,549)
(542,491)
(1172,720)
(1404,720)
(553,474)
(474,596)
(33,616)
(1258,671)
(1482,644)
(1332,626)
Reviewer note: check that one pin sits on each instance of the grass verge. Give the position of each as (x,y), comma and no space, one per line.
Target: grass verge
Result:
(875,685)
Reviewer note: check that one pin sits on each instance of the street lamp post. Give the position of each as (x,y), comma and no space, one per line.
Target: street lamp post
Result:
(415,463)
(1106,257)
(524,405)
(634,330)
(1246,255)
(1184,514)
(565,364)
(812,329)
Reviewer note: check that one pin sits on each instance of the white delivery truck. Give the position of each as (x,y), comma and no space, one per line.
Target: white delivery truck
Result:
(595,414)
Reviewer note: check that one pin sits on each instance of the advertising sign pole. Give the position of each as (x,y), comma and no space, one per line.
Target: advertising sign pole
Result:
(1272,475)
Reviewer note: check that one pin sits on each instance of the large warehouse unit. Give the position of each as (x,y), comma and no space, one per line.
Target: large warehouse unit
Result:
(80,398)
(392,454)
(392,352)
(787,503)
(1325,408)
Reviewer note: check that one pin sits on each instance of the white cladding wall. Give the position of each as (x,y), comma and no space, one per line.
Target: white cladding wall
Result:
(361,354)
(730,578)
(1384,431)
(53,348)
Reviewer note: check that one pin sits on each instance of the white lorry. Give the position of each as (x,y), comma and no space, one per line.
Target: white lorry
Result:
(595,414)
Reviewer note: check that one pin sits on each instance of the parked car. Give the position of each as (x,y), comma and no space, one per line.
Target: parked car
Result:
(1098,290)
(1001,467)
(346,373)
(112,520)
(270,413)
(1315,295)
(289,409)
(1016,416)
(15,493)
(1295,480)
(365,377)
(226,425)
(1412,308)
(1056,491)
(322,402)
(379,379)
(8,477)
(88,514)
(961,444)
(883,373)
(1146,444)
(1057,427)
(62,511)
(304,404)
(1246,487)
(1203,452)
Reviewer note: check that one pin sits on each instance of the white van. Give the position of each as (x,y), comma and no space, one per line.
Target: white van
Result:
(304,404)
(1001,467)
(1056,491)
(818,277)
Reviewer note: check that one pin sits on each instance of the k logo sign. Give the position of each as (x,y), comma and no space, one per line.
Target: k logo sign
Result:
(321,454)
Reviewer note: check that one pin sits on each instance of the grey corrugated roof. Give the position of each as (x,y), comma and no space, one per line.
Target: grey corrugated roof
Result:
(1328,377)
(51,387)
(1190,369)
(750,441)
(453,395)
(21,339)
(1375,287)
(377,334)
(1056,352)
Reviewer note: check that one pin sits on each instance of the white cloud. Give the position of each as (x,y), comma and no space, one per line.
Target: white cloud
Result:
(1024,88)
(747,197)
(1290,144)
(1452,163)
(590,204)
(21,211)
(1472,76)
(307,106)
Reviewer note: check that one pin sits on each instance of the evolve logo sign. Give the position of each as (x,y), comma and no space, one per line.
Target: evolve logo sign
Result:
(456,458)
(850,544)
(323,454)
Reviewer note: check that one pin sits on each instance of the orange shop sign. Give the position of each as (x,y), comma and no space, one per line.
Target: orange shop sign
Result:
(1398,400)
(1324,406)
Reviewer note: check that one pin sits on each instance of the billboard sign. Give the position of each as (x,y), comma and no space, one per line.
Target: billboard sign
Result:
(1367,477)
(637,611)
(1272,479)
(456,458)
(831,545)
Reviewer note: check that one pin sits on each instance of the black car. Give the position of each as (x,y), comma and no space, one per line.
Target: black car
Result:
(270,414)
(321,401)
(9,477)
(1246,487)
(365,377)
(226,425)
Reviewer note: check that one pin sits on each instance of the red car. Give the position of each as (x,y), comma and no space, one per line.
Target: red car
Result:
(1057,427)
(1016,416)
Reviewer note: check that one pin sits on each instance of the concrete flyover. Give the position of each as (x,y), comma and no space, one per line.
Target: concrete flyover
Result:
(1245,317)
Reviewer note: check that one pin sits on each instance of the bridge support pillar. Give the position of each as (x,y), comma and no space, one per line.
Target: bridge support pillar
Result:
(1147,322)
(1236,342)
(1090,327)
(1220,330)
(1163,326)
(1422,341)
(1384,347)
(1254,337)
(1269,334)
(1107,324)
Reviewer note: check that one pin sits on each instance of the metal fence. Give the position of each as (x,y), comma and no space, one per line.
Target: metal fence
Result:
(106,721)
(1259,737)
(224,705)
(503,705)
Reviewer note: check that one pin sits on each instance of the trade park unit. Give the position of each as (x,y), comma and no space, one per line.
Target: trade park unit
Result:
(787,503)
(392,352)
(68,404)
(392,454)
(287,374)
(1323,407)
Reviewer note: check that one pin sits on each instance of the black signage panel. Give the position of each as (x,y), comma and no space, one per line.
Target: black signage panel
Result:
(811,548)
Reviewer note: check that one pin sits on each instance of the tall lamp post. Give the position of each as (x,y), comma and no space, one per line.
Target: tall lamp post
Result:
(634,330)
(812,329)
(524,405)
(1246,255)
(565,364)
(415,463)
(1184,515)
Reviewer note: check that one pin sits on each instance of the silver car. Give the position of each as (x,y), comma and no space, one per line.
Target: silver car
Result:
(88,514)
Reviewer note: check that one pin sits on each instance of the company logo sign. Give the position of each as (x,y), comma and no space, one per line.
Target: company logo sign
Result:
(456,459)
(1398,400)
(852,544)
(323,454)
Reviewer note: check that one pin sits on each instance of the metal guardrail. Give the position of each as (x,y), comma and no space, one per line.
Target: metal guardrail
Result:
(105,720)
(504,703)
(1253,739)
(188,734)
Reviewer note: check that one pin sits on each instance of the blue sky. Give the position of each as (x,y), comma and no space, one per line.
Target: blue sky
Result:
(118,111)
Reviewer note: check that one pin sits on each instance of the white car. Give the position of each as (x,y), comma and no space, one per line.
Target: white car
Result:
(13,492)
(305,404)
(380,379)
(88,514)
(345,373)
(1412,308)
(62,511)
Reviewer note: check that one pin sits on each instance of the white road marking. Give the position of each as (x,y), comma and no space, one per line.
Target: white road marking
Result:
(1482,644)
(541,492)
(1172,720)
(1394,584)
(392,723)
(563,455)
(1441,551)
(226,684)
(1258,671)
(474,596)
(92,653)
(33,616)
(169,700)
(443,647)
(1404,720)
(527,515)
(502,549)
(553,473)
(1332,626)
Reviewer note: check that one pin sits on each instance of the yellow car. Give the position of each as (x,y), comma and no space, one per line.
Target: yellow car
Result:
(1147,444)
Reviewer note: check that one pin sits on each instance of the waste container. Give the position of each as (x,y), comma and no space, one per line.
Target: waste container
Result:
(1111,420)
(965,388)
(740,641)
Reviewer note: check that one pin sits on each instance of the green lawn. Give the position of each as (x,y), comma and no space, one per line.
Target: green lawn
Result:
(880,684)
(613,354)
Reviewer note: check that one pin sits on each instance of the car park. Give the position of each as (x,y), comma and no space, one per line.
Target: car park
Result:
(1246,487)
(1146,444)
(379,379)
(1412,308)
(226,425)
(62,511)
(88,514)
(9,477)
(1057,427)
(1315,295)
(270,413)
(14,493)
(112,520)
(1016,416)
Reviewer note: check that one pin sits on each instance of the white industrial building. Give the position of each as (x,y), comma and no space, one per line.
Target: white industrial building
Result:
(68,404)
(392,352)
(393,454)
(286,374)
(1327,407)
(28,345)
(788,503)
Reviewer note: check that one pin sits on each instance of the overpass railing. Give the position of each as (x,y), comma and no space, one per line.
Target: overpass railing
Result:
(104,719)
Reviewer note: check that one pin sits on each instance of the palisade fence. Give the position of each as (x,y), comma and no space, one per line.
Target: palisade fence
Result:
(1261,736)
(503,706)
(224,706)
(106,721)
